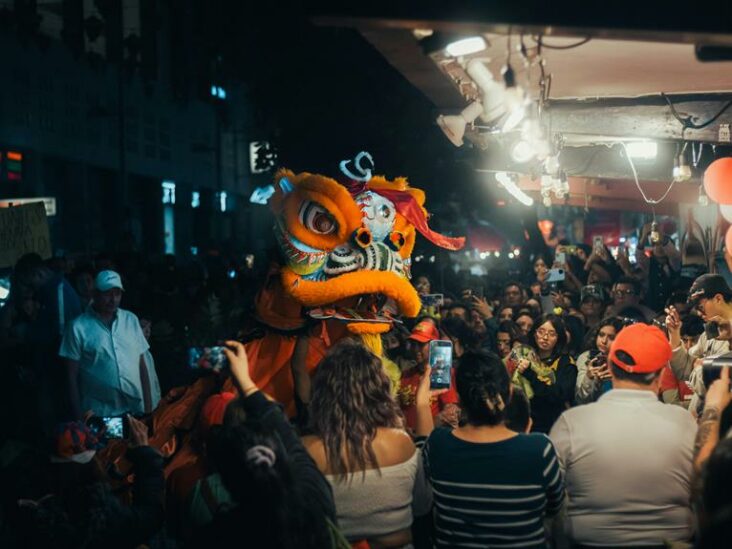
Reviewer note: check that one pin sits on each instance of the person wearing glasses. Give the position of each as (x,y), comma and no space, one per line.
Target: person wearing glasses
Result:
(553,381)
(626,293)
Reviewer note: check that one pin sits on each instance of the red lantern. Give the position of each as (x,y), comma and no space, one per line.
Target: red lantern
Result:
(728,240)
(718,181)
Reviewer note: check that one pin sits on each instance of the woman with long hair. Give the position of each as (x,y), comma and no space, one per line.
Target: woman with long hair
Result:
(493,486)
(552,380)
(360,444)
(271,491)
(593,375)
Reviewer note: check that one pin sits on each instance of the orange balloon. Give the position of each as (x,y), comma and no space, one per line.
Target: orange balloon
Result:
(718,180)
(728,240)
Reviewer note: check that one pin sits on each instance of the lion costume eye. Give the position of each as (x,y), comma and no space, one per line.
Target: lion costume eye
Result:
(317,219)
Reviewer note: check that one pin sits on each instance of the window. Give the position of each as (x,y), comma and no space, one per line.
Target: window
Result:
(168,192)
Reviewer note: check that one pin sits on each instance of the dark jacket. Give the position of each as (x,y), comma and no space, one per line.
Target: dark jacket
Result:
(312,486)
(550,400)
(94,516)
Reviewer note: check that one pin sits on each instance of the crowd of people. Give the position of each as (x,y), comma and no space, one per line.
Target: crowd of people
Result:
(584,411)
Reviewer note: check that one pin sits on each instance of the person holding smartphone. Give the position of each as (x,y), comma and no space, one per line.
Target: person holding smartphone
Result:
(444,406)
(593,373)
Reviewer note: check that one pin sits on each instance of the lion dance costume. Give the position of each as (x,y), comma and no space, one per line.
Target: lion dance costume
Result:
(346,250)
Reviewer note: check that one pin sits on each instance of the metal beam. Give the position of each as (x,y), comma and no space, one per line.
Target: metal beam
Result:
(637,20)
(648,117)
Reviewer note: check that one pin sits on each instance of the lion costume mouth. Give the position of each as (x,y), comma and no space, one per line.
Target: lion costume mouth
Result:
(329,292)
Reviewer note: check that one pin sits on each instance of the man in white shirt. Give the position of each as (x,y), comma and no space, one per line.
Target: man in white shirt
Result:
(628,457)
(104,350)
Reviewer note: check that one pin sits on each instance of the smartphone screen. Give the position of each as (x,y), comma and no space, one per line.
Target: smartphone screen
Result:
(432,300)
(115,427)
(441,364)
(560,258)
(207,358)
(598,243)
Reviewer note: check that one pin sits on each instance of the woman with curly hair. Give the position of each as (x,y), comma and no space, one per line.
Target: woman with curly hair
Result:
(360,444)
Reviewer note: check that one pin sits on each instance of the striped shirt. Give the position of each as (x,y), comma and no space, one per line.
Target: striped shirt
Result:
(493,494)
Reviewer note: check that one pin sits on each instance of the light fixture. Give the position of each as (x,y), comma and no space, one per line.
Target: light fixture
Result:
(453,126)
(703,198)
(552,166)
(514,100)
(522,151)
(497,253)
(195,199)
(682,170)
(510,255)
(493,93)
(642,150)
(510,185)
(465,46)
(517,252)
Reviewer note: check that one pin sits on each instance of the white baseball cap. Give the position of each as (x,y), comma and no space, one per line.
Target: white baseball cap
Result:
(106,280)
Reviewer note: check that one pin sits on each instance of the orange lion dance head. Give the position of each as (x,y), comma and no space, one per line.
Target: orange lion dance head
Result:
(346,245)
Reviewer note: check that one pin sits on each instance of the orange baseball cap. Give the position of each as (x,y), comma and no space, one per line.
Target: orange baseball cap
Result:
(646,345)
(425,331)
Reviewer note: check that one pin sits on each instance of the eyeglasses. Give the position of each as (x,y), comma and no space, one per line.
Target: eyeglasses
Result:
(621,293)
(546,333)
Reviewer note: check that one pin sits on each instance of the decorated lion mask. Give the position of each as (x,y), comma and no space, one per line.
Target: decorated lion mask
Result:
(346,245)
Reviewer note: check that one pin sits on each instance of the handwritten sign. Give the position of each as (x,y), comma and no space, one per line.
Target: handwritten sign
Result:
(23,229)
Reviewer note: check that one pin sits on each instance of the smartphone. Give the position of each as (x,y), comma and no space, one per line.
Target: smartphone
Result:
(207,358)
(432,300)
(598,243)
(560,258)
(554,275)
(441,364)
(116,427)
(712,330)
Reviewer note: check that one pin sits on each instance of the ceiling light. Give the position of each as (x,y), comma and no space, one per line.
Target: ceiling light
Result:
(703,198)
(510,255)
(497,253)
(510,185)
(466,46)
(517,252)
(454,126)
(493,93)
(682,170)
(522,151)
(642,150)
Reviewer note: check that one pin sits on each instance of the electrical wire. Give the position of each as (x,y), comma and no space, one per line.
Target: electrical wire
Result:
(686,123)
(637,183)
(540,42)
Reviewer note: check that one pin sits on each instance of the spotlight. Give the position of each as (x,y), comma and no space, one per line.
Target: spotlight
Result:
(497,253)
(493,93)
(432,259)
(522,151)
(466,46)
(517,252)
(454,126)
(514,100)
(551,165)
(642,150)
(510,255)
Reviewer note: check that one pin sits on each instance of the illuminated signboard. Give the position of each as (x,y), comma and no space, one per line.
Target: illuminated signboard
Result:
(48,201)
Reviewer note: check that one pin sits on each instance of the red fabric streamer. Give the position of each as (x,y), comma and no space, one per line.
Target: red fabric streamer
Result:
(406,205)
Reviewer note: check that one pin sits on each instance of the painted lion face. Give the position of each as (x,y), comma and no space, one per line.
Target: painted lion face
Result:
(346,249)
